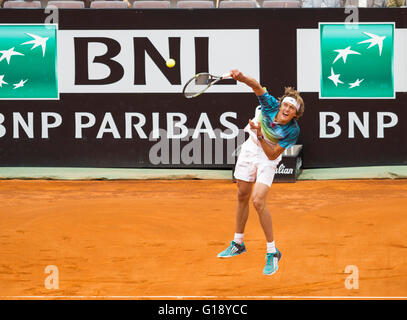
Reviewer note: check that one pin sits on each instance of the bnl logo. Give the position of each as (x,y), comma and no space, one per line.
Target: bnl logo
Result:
(28,62)
(142,48)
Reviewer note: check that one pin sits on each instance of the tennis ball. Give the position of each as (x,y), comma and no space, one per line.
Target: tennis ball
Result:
(170,63)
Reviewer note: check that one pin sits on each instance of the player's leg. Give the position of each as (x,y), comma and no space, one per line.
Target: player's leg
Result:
(265,177)
(259,199)
(244,190)
(237,246)
(259,202)
(245,174)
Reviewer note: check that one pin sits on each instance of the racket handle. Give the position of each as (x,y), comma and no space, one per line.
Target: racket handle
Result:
(226,76)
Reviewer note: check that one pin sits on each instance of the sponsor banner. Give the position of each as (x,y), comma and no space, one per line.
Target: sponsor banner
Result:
(378,55)
(133,61)
(28,61)
(290,166)
(94,91)
(357,62)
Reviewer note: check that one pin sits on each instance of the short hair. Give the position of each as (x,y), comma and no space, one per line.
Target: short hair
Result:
(291,92)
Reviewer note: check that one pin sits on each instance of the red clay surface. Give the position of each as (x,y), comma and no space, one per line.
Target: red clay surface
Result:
(160,238)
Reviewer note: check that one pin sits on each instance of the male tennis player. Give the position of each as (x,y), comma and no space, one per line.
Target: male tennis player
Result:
(273,129)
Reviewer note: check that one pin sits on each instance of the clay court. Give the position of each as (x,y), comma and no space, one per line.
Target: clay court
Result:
(159,239)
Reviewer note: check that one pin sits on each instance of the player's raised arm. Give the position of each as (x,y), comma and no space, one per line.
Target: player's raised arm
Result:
(251,82)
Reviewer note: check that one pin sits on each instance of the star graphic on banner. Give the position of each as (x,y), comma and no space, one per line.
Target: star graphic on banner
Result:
(20,84)
(334,77)
(343,53)
(2,81)
(374,40)
(38,41)
(7,54)
(355,84)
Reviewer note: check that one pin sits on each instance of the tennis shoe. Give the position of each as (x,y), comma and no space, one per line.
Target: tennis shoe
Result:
(272,260)
(233,250)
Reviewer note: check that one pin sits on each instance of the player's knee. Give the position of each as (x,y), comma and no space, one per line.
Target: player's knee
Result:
(243,196)
(258,204)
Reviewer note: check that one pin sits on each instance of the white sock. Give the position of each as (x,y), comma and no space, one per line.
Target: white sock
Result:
(239,238)
(271,247)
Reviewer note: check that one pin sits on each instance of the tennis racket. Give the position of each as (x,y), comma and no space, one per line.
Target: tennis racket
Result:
(200,83)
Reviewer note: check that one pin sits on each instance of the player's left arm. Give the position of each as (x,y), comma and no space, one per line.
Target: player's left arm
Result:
(272,151)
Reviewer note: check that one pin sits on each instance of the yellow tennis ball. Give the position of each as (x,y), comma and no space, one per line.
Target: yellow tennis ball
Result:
(170,63)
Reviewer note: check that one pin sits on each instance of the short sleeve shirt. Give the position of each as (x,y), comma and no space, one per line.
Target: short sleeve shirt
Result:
(285,135)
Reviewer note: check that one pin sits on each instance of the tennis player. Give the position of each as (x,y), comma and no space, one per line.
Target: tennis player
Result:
(273,129)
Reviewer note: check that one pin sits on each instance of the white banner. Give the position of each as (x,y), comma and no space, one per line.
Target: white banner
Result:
(227,49)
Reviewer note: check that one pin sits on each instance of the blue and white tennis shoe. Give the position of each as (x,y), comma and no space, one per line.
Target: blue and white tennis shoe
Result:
(233,250)
(272,260)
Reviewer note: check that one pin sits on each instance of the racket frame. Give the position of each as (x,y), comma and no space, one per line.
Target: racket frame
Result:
(217,79)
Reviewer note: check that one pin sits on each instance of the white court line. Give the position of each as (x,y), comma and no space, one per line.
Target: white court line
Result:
(108,297)
(204,297)
(313,297)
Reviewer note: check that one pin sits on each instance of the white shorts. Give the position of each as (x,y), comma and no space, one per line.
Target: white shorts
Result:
(253,165)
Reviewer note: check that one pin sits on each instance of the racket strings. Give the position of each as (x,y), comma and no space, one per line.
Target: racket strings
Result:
(198,85)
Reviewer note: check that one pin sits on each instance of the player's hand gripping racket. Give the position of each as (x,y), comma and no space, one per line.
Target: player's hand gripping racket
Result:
(200,83)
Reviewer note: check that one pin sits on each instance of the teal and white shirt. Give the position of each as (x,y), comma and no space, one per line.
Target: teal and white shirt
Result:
(285,135)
